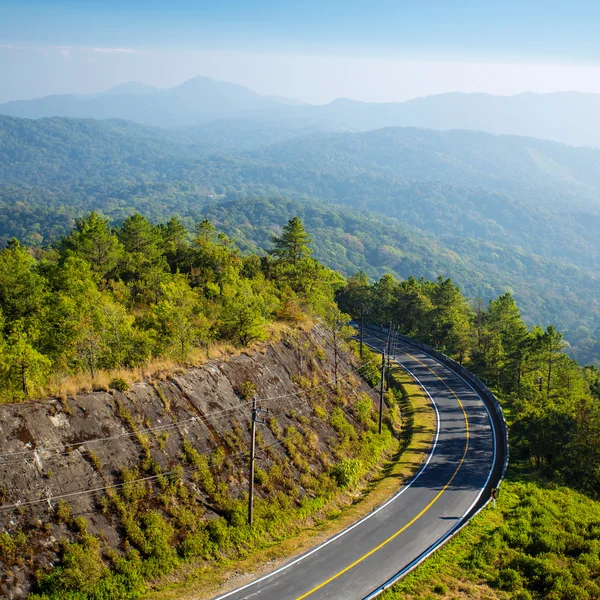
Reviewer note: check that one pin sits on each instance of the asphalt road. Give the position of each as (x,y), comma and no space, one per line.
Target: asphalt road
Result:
(454,480)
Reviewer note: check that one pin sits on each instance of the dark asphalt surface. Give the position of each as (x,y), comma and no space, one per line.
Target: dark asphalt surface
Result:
(354,563)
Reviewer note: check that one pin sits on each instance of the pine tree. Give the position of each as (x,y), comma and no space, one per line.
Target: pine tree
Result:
(293,244)
(93,241)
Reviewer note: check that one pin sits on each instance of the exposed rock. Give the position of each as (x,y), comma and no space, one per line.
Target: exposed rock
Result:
(57,450)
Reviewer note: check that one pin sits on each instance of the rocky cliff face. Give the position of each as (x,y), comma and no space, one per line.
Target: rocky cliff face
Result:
(112,457)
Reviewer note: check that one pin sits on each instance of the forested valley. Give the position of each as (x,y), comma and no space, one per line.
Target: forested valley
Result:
(496,213)
(107,298)
(87,312)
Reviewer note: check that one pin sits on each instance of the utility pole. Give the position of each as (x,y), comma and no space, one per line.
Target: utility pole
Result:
(335,355)
(391,346)
(381,391)
(362,306)
(255,412)
(389,339)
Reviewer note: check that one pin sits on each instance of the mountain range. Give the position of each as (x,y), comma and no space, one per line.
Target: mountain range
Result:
(567,117)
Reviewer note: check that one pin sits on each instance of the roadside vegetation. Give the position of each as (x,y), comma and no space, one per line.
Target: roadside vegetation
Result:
(552,403)
(108,305)
(412,419)
(542,540)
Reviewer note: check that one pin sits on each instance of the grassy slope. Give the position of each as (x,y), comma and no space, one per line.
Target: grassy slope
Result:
(541,541)
(201,580)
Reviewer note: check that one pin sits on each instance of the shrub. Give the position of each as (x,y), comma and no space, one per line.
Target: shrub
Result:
(95,460)
(319,411)
(119,384)
(195,545)
(81,568)
(338,421)
(8,549)
(508,579)
(81,524)
(260,477)
(363,407)
(247,389)
(347,472)
(63,512)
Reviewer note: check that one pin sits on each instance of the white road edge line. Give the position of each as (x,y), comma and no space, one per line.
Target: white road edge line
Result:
(417,561)
(371,514)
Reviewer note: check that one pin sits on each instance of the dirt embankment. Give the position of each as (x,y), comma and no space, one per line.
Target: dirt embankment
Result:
(55,453)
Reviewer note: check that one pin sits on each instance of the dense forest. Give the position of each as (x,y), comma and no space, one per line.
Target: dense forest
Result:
(108,298)
(553,402)
(114,297)
(349,241)
(496,213)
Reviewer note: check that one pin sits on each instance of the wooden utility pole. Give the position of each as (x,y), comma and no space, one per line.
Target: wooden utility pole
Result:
(381,391)
(391,346)
(255,420)
(387,347)
(335,355)
(252,458)
(361,328)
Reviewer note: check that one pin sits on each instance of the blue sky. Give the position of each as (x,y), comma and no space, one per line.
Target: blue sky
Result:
(49,46)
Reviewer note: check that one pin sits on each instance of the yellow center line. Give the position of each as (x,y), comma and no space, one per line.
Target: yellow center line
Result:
(405,527)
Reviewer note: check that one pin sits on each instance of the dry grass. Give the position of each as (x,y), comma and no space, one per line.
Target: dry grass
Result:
(200,580)
(160,369)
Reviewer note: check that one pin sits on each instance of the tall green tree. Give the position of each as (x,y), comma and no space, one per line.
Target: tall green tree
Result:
(293,244)
(24,368)
(93,240)
(22,289)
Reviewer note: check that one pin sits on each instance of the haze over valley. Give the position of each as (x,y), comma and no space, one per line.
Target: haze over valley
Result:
(292,294)
(504,212)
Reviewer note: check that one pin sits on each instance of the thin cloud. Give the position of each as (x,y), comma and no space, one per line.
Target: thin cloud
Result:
(66,51)
(115,50)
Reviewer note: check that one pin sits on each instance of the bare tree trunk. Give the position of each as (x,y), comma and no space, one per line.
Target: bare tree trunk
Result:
(549,376)
(24,379)
(335,356)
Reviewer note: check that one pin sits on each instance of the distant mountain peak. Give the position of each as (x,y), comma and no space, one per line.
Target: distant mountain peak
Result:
(130,88)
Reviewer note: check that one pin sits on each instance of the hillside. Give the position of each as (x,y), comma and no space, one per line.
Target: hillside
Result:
(151,344)
(169,457)
(495,212)
(347,240)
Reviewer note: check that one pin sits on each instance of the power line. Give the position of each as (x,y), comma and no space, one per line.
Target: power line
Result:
(204,417)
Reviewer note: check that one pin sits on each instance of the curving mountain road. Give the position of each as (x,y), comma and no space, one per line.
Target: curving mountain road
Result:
(465,461)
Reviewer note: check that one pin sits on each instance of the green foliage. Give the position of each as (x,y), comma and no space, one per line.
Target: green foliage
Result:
(555,404)
(63,512)
(539,542)
(347,472)
(339,422)
(351,241)
(119,384)
(454,203)
(12,547)
(81,569)
(109,298)
(364,407)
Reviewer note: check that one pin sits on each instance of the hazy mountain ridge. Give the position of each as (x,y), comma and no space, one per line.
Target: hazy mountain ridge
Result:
(567,117)
(198,100)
